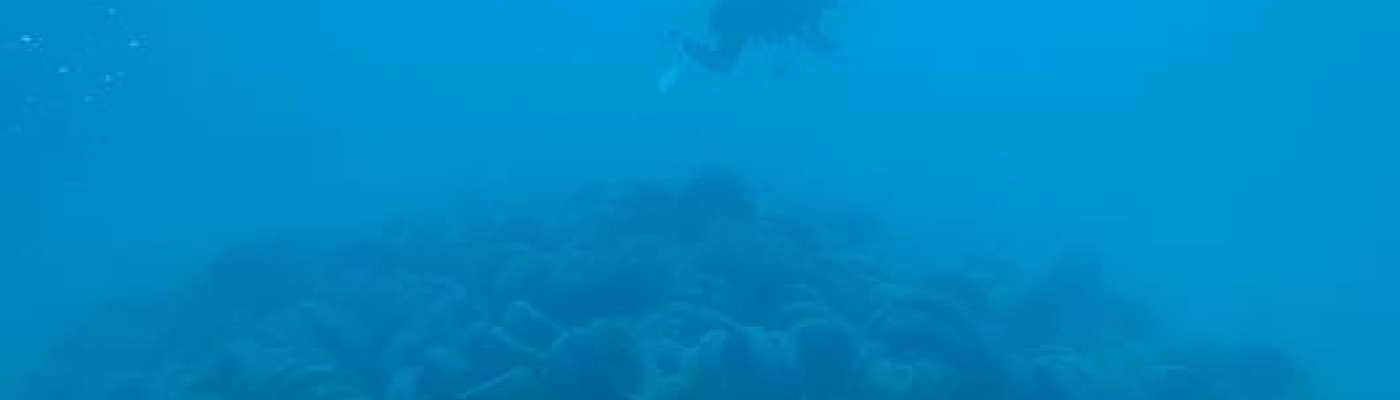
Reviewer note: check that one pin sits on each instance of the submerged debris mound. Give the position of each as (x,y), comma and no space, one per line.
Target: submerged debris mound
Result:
(645,290)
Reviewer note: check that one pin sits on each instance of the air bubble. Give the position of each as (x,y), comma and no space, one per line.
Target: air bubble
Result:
(28,41)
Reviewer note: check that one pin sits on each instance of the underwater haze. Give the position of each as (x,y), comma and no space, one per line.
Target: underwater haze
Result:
(492,200)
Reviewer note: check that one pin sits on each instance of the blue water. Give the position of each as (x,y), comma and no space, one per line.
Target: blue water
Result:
(1234,161)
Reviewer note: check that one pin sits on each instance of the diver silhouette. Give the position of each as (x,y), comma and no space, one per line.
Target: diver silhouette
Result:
(737,23)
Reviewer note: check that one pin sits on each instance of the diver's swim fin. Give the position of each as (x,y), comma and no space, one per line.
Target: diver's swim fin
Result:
(667,82)
(671,75)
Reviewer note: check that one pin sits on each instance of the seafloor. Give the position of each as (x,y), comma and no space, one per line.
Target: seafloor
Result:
(684,289)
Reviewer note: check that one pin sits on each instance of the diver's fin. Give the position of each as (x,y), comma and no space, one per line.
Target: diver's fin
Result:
(671,75)
(667,82)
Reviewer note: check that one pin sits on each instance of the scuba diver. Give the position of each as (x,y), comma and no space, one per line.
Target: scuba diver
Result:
(737,23)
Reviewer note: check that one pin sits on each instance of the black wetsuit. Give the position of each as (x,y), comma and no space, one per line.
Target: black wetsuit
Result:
(736,23)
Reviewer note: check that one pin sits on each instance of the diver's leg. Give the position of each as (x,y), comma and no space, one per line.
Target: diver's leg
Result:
(728,51)
(721,58)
